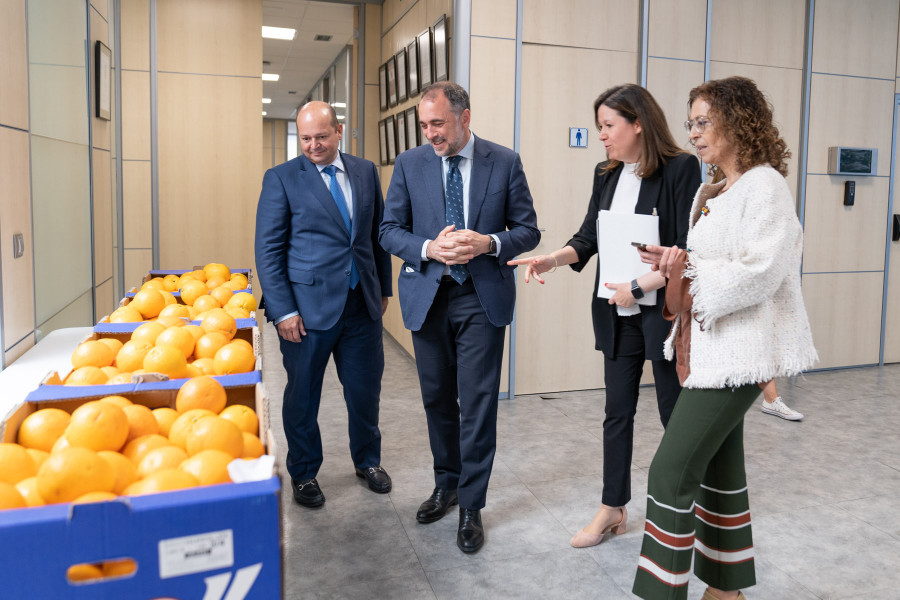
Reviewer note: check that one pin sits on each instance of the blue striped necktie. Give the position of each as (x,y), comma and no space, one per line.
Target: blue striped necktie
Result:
(455,211)
(338,194)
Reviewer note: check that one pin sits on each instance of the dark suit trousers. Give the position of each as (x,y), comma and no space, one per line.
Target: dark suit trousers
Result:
(357,346)
(459,354)
(622,376)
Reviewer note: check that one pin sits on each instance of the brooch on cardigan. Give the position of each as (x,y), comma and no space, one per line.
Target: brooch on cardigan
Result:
(704,211)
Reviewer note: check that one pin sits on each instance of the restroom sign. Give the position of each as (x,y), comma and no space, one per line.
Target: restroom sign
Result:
(578,137)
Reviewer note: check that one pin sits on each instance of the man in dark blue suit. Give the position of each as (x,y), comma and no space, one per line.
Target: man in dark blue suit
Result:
(455,213)
(325,283)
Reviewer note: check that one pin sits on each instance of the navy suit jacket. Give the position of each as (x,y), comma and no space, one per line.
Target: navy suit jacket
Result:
(499,203)
(303,249)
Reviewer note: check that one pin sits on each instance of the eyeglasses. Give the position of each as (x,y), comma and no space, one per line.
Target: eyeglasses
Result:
(700,124)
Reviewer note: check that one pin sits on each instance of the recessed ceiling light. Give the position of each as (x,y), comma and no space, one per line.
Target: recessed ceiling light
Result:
(267,101)
(339,104)
(278,33)
(270,76)
(264,113)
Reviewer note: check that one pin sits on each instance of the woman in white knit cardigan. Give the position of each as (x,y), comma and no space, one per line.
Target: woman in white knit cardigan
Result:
(741,322)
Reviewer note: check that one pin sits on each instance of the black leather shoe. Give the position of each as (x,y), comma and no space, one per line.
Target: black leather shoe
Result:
(307,493)
(377,478)
(471,534)
(436,506)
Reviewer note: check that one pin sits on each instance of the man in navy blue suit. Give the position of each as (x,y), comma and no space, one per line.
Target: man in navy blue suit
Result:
(326,283)
(457,209)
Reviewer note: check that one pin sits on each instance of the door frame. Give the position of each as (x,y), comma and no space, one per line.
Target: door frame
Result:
(890,224)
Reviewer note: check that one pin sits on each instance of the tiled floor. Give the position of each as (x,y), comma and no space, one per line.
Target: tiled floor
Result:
(824,495)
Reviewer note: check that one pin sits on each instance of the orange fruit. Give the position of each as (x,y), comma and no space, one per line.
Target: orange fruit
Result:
(136,449)
(170,283)
(206,366)
(120,401)
(240,281)
(125,472)
(15,463)
(242,300)
(199,275)
(238,313)
(122,377)
(201,392)
(38,456)
(182,279)
(156,283)
(209,344)
(114,344)
(195,330)
(168,297)
(42,428)
(165,457)
(219,320)
(72,472)
(98,426)
(194,312)
(84,572)
(231,285)
(61,443)
(192,371)
(86,376)
(10,497)
(214,282)
(253,447)
(217,270)
(140,421)
(164,480)
(205,303)
(175,310)
(125,314)
(148,302)
(164,416)
(222,294)
(234,358)
(191,290)
(171,321)
(131,356)
(244,343)
(242,416)
(94,497)
(178,338)
(147,333)
(167,360)
(92,353)
(215,433)
(110,372)
(122,566)
(182,425)
(29,492)
(208,466)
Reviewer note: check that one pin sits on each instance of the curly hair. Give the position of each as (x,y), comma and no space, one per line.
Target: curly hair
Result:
(741,113)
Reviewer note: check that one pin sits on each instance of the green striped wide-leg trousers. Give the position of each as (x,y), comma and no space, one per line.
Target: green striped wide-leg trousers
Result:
(697,504)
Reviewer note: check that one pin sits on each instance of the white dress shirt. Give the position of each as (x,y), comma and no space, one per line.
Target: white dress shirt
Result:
(625,201)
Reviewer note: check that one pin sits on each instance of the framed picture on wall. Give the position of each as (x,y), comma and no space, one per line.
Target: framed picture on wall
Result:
(412,59)
(401,132)
(441,56)
(413,131)
(102,74)
(382,86)
(424,42)
(391,133)
(382,139)
(392,81)
(400,61)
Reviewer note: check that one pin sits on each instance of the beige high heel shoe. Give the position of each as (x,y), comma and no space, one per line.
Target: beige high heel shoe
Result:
(708,596)
(586,539)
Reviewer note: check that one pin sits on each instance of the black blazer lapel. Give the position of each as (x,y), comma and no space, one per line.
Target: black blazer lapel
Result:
(609,189)
(648,197)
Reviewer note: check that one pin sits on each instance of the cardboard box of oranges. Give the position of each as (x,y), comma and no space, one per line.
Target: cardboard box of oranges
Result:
(154,539)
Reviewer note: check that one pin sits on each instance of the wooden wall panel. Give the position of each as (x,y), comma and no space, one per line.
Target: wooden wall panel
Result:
(221,37)
(765,32)
(103,222)
(15,206)
(77,313)
(492,90)
(135,115)
(135,24)
(207,197)
(100,128)
(102,7)
(19,349)
(561,357)
(858,38)
(136,204)
(138,262)
(104,299)
(600,24)
(845,315)
(892,320)
(845,238)
(50,116)
(13,65)
(670,82)
(677,29)
(494,18)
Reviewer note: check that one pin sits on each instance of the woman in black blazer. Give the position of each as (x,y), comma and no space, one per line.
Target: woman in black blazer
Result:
(647,173)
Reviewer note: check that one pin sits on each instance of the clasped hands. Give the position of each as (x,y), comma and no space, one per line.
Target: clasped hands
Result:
(457,247)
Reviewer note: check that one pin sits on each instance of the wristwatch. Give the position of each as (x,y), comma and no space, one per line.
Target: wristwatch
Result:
(493,249)
(636,290)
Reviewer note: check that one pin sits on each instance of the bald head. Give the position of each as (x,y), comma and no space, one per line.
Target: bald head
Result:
(319,132)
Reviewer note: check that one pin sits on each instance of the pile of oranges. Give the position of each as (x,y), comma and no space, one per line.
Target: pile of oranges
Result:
(167,345)
(214,286)
(112,447)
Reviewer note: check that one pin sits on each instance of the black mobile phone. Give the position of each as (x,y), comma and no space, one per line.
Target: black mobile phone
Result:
(639,245)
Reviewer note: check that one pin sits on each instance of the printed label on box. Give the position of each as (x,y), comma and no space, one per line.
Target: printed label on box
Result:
(196,553)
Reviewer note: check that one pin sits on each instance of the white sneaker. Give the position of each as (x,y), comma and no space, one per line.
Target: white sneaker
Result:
(778,408)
